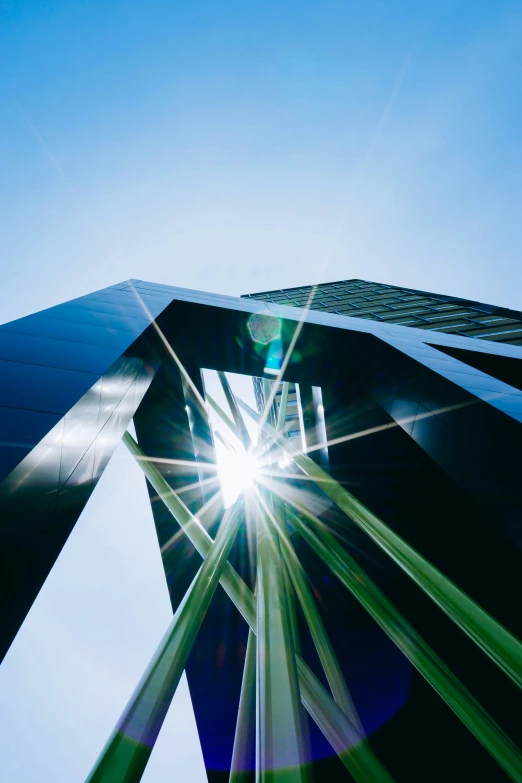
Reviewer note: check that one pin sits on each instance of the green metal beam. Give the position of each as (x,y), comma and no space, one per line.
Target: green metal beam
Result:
(236,414)
(322,644)
(357,755)
(245,736)
(223,416)
(362,762)
(495,640)
(280,751)
(432,668)
(331,720)
(127,752)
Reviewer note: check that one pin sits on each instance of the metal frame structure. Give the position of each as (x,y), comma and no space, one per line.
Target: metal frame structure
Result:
(373,563)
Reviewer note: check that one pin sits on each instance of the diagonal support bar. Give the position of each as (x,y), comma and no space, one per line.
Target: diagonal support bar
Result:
(361,761)
(236,414)
(331,720)
(478,721)
(280,752)
(245,736)
(495,640)
(127,752)
(223,416)
(317,630)
(432,668)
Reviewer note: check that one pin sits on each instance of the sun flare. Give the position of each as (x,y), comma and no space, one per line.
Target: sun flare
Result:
(237,470)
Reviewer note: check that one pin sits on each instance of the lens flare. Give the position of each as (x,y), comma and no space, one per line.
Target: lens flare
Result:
(237,470)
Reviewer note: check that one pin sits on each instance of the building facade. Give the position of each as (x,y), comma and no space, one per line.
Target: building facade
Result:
(404,306)
(377,637)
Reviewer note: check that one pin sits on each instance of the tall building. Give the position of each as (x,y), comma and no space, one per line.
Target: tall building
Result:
(404,306)
(367,622)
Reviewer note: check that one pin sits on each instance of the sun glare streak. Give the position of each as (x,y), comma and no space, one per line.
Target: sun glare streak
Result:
(267,510)
(196,484)
(200,512)
(186,463)
(171,350)
(237,471)
(265,447)
(390,425)
(274,440)
(288,355)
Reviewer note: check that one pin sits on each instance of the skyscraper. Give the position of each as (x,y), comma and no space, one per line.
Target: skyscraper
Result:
(404,306)
(367,625)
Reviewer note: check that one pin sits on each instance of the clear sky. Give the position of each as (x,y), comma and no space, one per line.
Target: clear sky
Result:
(233,147)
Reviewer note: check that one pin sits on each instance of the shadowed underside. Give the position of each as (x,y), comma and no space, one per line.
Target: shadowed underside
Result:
(355,614)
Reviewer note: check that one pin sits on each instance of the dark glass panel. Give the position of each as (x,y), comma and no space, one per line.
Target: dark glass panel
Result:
(155,304)
(96,317)
(404,412)
(32,349)
(130,309)
(40,388)
(506,368)
(150,293)
(20,431)
(76,333)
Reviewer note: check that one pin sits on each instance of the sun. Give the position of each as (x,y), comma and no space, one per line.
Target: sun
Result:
(237,471)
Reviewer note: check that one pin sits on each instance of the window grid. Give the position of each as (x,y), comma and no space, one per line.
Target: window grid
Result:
(406,307)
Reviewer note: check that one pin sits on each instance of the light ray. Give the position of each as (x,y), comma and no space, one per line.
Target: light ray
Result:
(425,660)
(236,413)
(196,484)
(170,350)
(288,354)
(390,425)
(204,508)
(186,463)
(128,750)
(328,716)
(489,635)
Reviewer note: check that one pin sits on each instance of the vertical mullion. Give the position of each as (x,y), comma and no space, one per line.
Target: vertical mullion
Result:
(281,418)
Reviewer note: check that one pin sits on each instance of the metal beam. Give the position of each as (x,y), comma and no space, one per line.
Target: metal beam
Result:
(315,624)
(432,668)
(361,761)
(245,736)
(331,720)
(236,413)
(495,640)
(127,752)
(279,738)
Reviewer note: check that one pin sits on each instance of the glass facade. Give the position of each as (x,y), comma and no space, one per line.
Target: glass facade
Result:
(378,585)
(405,306)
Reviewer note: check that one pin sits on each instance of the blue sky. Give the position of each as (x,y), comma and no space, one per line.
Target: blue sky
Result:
(232,147)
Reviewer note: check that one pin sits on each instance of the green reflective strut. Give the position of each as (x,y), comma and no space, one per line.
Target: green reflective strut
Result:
(245,736)
(127,752)
(331,720)
(361,761)
(432,668)
(495,640)
(280,751)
